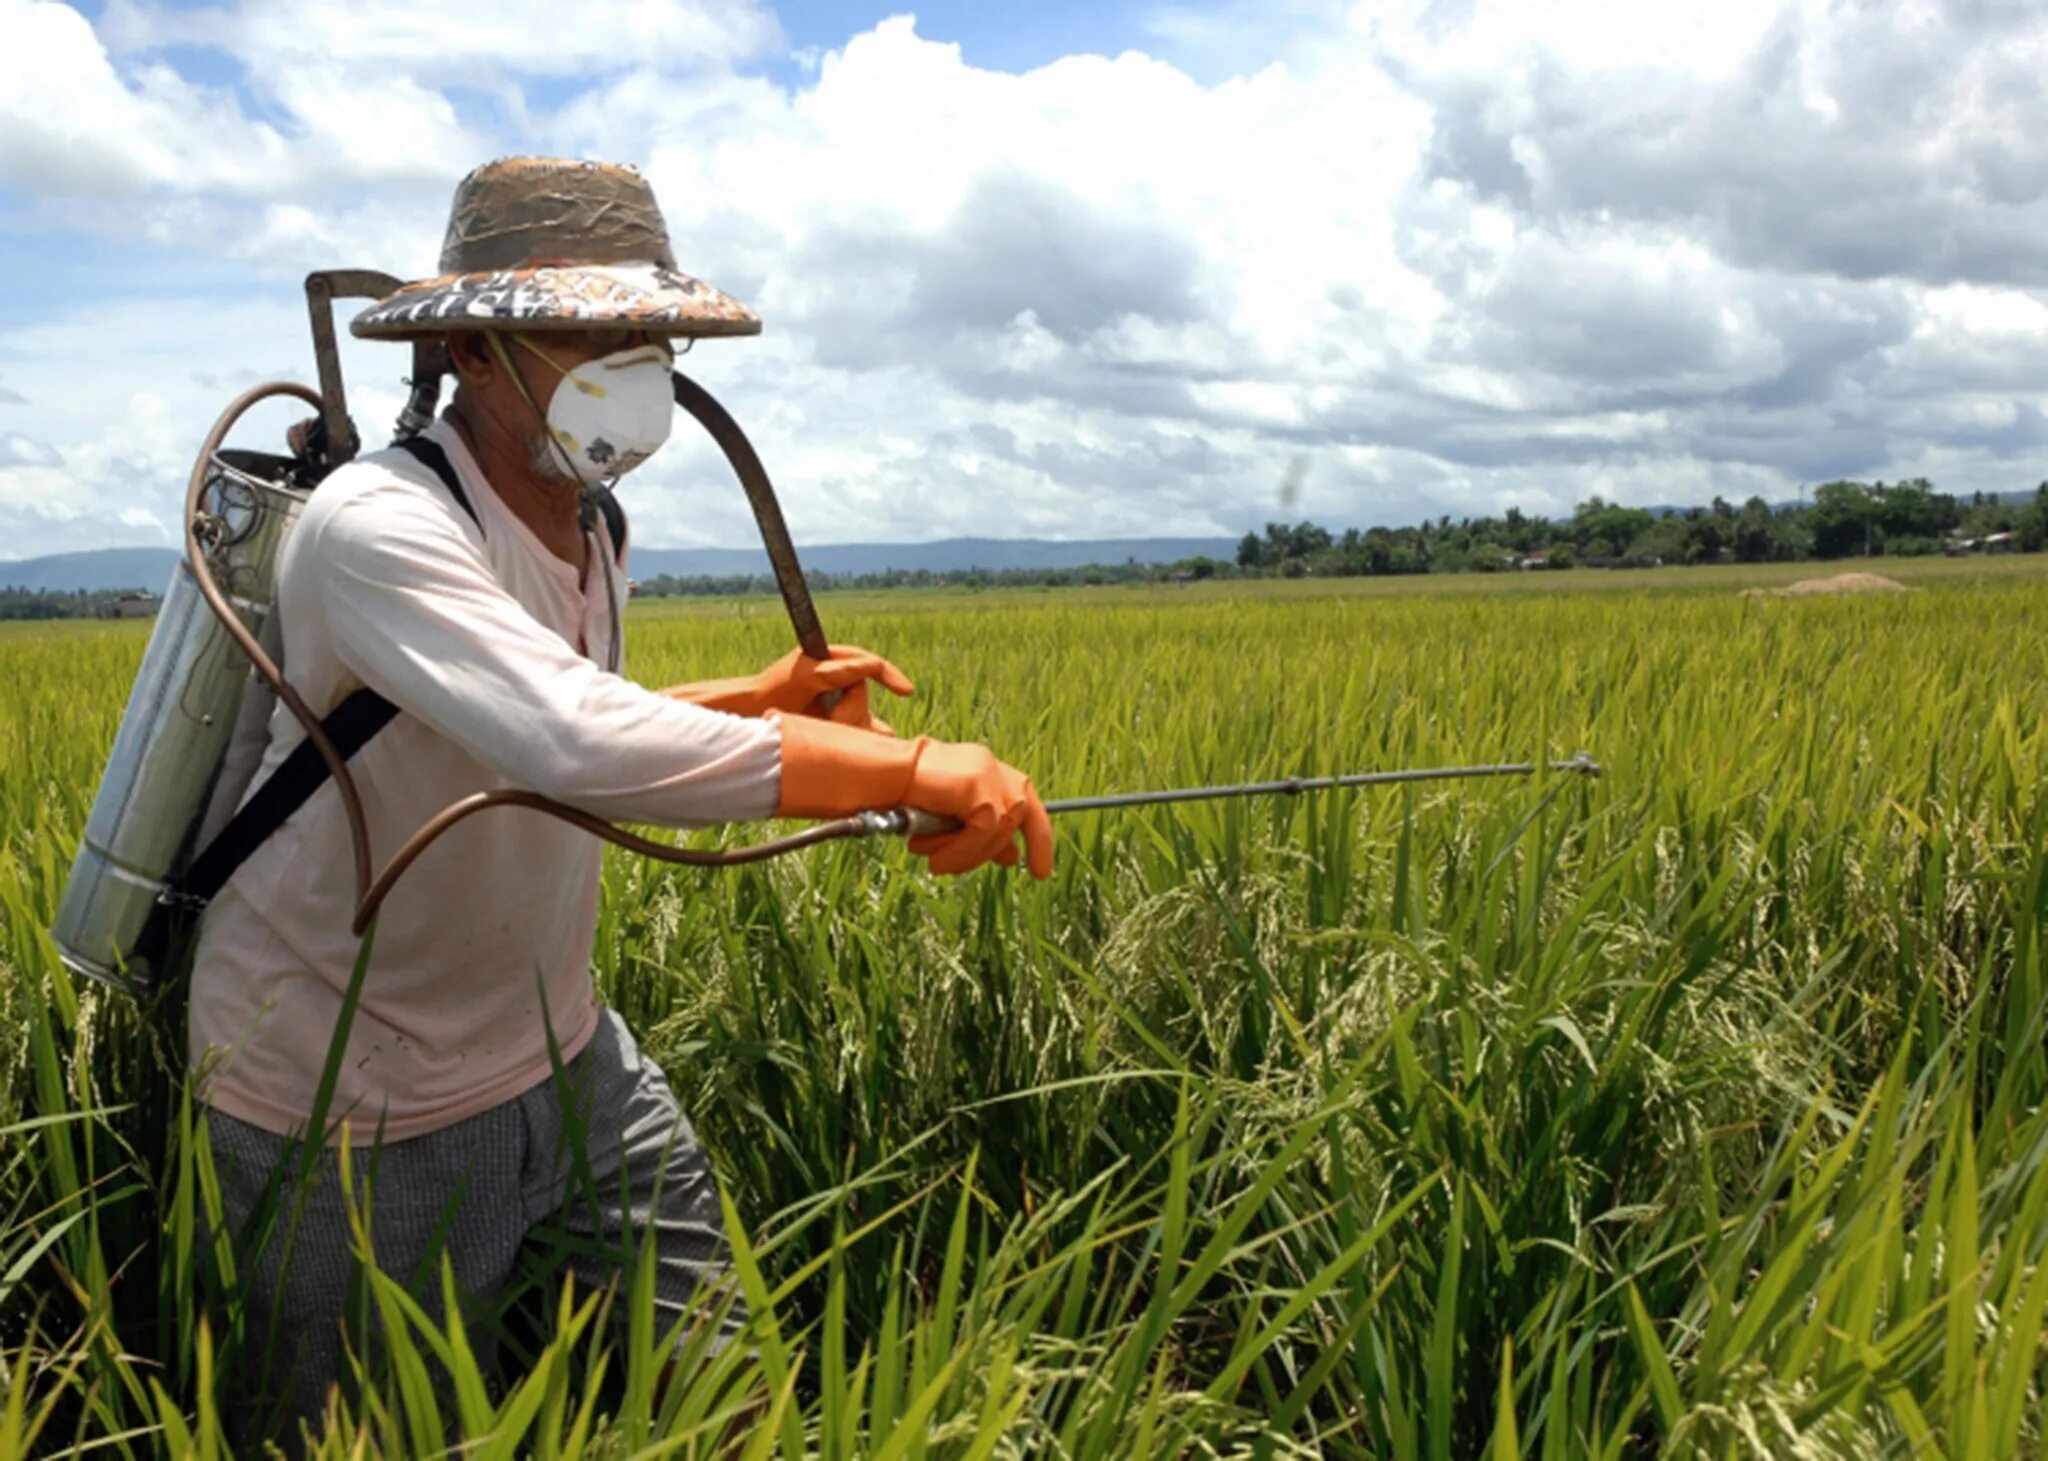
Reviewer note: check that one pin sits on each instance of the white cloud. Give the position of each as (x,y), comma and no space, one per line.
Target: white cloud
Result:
(1869,139)
(1586,39)
(126,425)
(1450,256)
(17,450)
(443,43)
(71,124)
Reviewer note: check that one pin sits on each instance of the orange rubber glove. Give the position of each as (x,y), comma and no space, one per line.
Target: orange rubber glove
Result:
(794,683)
(833,771)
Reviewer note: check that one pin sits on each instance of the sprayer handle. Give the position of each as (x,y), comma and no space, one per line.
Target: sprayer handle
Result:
(926,824)
(906,822)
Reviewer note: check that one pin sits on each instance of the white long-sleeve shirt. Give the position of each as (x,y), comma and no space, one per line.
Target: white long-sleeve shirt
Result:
(492,649)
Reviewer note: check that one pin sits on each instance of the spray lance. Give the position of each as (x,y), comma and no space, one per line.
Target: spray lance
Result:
(197,719)
(909,822)
(879,822)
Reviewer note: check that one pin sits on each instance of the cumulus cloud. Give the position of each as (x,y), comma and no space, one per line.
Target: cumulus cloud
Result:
(442,43)
(1451,257)
(1869,139)
(70,123)
(17,450)
(332,98)
(101,457)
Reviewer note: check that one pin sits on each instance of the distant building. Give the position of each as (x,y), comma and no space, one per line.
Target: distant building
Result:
(136,605)
(1989,543)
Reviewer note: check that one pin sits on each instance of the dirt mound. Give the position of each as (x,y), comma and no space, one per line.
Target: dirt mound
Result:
(1841,583)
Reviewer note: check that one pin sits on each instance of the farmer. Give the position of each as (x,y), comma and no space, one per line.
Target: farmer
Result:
(468,581)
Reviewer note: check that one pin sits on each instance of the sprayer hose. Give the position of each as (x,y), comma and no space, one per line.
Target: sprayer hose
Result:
(469,806)
(371,891)
(197,523)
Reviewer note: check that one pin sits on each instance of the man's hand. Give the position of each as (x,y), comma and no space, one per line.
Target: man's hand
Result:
(796,684)
(830,771)
(993,802)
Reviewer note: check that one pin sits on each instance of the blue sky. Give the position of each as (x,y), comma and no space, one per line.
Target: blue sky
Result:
(43,263)
(1014,37)
(1083,270)
(1006,37)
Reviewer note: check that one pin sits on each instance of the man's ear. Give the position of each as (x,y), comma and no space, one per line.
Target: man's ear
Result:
(469,355)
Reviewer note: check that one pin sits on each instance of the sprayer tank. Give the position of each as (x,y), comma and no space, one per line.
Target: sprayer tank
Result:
(190,736)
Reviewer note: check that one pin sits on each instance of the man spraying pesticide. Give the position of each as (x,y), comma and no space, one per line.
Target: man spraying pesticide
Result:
(464,579)
(437,631)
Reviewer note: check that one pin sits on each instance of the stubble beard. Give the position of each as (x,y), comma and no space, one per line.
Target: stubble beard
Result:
(544,456)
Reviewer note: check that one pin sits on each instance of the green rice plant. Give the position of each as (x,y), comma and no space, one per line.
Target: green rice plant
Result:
(1697,1109)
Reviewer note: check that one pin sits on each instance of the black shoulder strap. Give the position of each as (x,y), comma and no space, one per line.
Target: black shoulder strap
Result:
(435,460)
(350,726)
(429,455)
(614,519)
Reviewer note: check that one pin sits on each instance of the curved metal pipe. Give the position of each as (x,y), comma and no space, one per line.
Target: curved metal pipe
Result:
(371,891)
(445,819)
(195,559)
(746,465)
(429,364)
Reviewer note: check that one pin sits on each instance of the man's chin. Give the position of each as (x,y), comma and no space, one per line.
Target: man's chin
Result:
(548,469)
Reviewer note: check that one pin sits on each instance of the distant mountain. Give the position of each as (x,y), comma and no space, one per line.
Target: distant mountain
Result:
(99,568)
(947,555)
(150,568)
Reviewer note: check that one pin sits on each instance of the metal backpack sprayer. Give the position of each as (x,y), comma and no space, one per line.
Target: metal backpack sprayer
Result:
(178,808)
(198,718)
(532,243)
(168,779)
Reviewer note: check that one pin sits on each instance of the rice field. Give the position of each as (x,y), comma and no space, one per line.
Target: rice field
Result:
(1695,1110)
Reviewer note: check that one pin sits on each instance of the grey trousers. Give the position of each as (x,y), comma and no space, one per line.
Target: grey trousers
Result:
(496,1193)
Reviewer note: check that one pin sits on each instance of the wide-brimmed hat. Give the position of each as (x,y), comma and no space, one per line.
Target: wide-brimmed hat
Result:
(538,243)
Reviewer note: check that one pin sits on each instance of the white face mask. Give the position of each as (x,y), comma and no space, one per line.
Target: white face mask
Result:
(611,414)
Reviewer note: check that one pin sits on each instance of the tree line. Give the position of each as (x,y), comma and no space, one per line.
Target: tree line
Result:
(1842,520)
(44,603)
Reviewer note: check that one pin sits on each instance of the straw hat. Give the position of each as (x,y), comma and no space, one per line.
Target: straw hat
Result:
(537,243)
